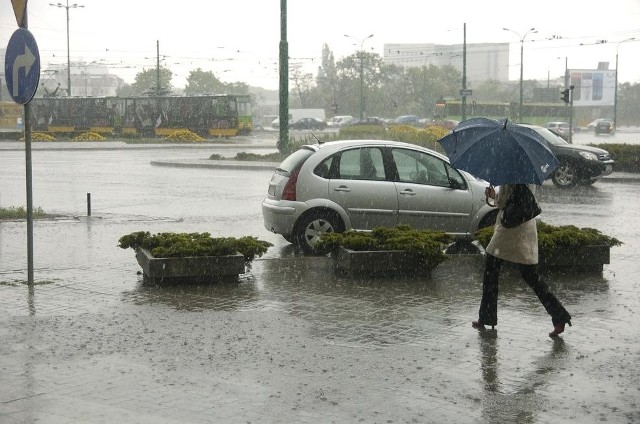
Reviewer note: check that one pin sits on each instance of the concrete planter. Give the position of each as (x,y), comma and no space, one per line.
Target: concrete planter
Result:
(581,258)
(189,269)
(383,262)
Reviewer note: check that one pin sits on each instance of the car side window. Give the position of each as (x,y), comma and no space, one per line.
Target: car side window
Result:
(420,168)
(364,163)
(323,168)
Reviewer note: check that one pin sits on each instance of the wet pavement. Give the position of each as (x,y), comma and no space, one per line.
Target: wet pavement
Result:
(291,340)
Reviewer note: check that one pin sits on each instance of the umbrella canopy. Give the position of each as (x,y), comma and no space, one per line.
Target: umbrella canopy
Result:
(499,152)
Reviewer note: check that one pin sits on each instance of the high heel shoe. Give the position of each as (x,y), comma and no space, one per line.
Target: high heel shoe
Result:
(558,329)
(479,325)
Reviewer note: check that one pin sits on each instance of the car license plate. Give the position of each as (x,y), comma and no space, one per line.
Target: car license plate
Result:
(608,169)
(272,190)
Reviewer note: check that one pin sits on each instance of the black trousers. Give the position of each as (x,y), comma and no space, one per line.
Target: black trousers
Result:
(488,314)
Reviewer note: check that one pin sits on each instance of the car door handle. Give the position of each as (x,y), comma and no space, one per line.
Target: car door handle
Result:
(408,192)
(342,188)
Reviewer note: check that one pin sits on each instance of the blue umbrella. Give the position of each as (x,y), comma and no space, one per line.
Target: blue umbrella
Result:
(499,152)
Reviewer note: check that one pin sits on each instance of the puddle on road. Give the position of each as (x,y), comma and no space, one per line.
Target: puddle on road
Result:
(217,295)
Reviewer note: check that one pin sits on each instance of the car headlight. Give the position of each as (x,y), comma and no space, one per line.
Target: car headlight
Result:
(589,156)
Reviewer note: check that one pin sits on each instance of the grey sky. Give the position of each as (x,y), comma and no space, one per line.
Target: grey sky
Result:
(239,40)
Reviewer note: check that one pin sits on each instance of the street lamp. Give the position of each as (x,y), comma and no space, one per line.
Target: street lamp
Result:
(615,88)
(361,71)
(67,6)
(532,30)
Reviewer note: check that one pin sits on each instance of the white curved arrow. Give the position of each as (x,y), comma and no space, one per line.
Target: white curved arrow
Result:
(26,61)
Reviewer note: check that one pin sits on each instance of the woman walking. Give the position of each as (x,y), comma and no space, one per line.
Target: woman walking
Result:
(519,245)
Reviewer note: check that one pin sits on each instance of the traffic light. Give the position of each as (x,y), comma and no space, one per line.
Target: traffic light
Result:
(565,95)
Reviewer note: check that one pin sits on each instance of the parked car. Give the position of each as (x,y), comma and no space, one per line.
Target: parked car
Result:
(604,127)
(308,124)
(578,164)
(372,120)
(407,120)
(339,120)
(592,124)
(362,184)
(562,129)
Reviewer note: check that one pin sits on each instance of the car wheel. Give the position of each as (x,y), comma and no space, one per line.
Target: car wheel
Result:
(564,176)
(312,226)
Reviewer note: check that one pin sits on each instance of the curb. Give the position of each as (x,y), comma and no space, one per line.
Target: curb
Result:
(220,164)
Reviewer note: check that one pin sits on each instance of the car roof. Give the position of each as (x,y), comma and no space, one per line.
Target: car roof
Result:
(338,145)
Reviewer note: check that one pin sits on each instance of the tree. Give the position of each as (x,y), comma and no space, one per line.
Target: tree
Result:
(628,101)
(327,80)
(203,82)
(303,83)
(147,83)
(495,91)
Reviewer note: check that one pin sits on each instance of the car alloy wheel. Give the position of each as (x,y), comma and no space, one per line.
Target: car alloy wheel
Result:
(312,226)
(564,176)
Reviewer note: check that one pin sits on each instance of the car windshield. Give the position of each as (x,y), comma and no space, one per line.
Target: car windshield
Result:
(550,137)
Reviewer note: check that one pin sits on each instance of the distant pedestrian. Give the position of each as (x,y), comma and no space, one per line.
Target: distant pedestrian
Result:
(519,245)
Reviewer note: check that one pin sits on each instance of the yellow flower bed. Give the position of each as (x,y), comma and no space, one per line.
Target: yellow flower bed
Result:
(184,135)
(89,136)
(39,136)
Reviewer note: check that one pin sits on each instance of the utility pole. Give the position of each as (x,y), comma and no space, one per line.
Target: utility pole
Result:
(571,113)
(283,142)
(67,6)
(361,54)
(532,30)
(157,68)
(464,73)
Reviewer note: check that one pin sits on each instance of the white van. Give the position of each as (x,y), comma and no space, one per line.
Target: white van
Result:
(340,120)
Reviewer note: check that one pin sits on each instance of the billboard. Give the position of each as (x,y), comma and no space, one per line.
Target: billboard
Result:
(592,87)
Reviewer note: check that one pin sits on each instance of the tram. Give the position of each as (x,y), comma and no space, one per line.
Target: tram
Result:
(225,115)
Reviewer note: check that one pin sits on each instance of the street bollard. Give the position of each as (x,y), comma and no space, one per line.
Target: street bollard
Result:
(88,204)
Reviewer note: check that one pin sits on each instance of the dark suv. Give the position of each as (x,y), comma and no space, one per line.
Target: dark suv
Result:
(578,164)
(604,127)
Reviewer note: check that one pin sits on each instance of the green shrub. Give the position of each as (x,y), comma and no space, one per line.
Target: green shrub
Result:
(627,156)
(429,245)
(550,236)
(172,245)
(21,213)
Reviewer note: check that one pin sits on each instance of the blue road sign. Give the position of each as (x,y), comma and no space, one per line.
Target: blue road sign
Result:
(22,66)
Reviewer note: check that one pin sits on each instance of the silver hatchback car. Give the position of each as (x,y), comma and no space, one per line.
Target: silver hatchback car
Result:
(362,184)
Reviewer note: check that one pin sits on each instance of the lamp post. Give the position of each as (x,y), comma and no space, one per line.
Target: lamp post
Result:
(361,52)
(67,6)
(531,30)
(615,88)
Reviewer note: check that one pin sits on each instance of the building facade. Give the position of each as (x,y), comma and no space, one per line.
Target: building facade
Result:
(485,61)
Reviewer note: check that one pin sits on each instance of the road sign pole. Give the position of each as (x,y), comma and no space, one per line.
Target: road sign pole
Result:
(22,70)
(27,152)
(26,119)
